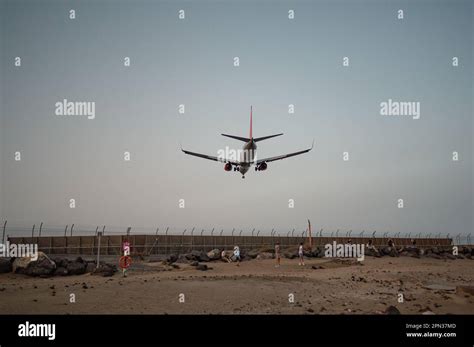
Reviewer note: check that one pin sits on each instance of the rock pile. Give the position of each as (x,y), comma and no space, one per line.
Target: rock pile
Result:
(44,266)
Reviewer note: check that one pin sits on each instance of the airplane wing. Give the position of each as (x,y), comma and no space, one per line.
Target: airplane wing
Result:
(284,156)
(210,157)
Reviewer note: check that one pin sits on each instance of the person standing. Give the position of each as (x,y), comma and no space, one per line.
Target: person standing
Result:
(301,254)
(277,254)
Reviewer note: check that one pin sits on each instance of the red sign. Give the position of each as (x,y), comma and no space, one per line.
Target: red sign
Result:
(125,262)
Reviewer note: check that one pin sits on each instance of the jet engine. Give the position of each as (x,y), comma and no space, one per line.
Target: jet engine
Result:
(262,167)
(228,167)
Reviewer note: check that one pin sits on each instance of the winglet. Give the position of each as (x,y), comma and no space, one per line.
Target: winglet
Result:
(312,145)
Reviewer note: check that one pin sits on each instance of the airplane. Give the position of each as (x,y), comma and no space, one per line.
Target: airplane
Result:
(248,157)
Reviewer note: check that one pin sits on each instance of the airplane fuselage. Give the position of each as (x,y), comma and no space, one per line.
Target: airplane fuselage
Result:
(248,156)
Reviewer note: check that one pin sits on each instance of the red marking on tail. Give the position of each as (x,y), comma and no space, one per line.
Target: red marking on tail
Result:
(250,135)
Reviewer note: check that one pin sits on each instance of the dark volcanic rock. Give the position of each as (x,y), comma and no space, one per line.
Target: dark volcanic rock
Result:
(202,267)
(60,271)
(290,255)
(182,259)
(253,253)
(79,260)
(43,267)
(372,252)
(60,262)
(197,255)
(172,258)
(90,267)
(5,265)
(435,250)
(105,270)
(76,268)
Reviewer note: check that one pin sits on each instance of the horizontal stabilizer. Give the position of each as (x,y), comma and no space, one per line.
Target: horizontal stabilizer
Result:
(266,137)
(237,137)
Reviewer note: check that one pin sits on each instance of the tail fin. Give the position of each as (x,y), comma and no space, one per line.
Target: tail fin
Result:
(250,135)
(244,139)
(259,138)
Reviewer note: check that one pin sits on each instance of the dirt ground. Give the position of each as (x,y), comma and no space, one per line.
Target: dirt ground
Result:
(254,287)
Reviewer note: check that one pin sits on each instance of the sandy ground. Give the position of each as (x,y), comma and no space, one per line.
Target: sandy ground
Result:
(255,287)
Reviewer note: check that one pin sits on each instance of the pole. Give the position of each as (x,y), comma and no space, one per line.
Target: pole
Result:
(72,227)
(65,230)
(166,241)
(41,228)
(98,249)
(213,238)
(309,235)
(4,228)
(33,231)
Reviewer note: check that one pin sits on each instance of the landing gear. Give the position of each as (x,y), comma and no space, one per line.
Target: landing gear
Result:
(243,176)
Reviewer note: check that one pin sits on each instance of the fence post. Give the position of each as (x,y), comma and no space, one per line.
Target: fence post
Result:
(213,238)
(32,232)
(4,228)
(166,239)
(72,228)
(203,247)
(98,249)
(182,240)
(41,228)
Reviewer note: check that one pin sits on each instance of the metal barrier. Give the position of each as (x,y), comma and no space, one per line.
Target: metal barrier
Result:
(167,244)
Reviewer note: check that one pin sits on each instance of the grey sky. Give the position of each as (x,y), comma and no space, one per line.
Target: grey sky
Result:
(282,62)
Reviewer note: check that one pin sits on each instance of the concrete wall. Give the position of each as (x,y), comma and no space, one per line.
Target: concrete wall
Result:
(166,244)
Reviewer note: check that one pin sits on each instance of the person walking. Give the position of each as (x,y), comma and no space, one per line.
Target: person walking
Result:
(237,255)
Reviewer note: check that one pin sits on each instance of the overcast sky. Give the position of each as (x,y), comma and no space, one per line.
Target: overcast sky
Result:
(282,62)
